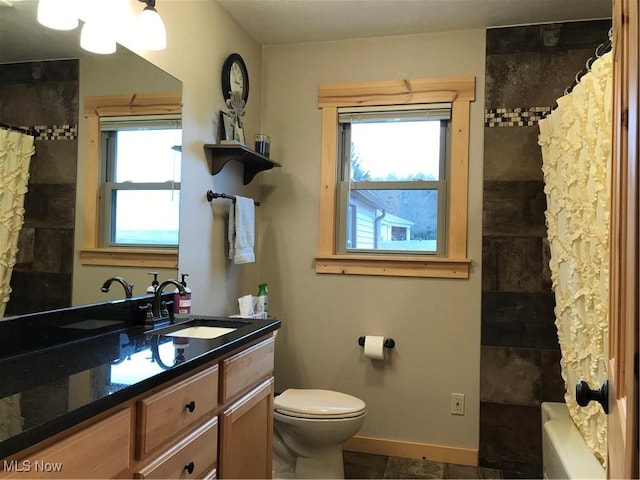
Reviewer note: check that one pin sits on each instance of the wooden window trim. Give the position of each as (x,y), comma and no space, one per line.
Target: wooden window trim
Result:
(460,91)
(96,107)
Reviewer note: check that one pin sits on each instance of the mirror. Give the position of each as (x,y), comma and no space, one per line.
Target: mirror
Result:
(44,75)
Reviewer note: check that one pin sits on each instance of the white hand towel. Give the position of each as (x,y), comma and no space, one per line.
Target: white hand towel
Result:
(242,231)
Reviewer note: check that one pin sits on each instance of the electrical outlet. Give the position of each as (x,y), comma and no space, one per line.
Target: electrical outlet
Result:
(457,404)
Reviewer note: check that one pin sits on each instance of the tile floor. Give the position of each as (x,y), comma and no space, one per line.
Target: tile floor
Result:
(364,465)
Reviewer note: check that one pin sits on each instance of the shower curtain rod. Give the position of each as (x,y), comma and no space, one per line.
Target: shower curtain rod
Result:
(600,51)
(28,131)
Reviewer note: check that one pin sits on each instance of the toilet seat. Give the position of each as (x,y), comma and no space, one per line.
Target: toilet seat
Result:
(318,404)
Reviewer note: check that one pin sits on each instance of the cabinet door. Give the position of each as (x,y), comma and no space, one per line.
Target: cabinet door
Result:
(246,435)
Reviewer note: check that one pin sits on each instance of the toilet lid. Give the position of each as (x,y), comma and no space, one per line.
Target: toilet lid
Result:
(315,403)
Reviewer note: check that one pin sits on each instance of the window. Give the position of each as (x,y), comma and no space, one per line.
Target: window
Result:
(141,188)
(393,171)
(132,184)
(406,216)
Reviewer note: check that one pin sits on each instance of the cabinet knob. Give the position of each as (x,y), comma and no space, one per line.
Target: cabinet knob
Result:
(191,406)
(190,467)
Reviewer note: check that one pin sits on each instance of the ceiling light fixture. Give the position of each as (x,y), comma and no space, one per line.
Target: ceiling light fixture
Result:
(97,38)
(151,32)
(58,14)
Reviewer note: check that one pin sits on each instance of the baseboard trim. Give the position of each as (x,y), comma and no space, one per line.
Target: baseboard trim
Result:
(396,448)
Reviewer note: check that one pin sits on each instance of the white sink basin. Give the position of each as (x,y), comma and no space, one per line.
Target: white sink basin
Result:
(201,332)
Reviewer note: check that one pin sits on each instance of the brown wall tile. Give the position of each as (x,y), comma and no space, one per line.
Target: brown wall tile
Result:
(510,375)
(512,153)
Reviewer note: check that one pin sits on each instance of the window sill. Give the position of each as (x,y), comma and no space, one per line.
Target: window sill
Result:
(393,266)
(130,257)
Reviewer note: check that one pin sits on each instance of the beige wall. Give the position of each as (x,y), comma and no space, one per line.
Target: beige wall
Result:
(436,323)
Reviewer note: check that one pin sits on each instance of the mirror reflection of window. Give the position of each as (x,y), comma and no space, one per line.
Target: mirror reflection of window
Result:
(141,188)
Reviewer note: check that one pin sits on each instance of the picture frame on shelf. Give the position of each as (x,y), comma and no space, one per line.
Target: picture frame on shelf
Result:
(226,128)
(238,133)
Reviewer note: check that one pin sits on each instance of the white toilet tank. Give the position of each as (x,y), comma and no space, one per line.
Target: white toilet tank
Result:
(565,455)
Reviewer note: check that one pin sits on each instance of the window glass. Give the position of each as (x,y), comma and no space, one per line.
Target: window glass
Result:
(393,182)
(395,150)
(148,155)
(146,217)
(393,220)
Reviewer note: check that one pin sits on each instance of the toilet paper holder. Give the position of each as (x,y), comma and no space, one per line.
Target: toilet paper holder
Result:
(388,342)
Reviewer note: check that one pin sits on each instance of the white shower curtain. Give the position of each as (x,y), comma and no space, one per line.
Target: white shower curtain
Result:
(576,150)
(16,150)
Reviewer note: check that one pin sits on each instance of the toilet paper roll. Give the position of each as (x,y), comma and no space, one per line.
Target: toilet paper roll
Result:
(374,347)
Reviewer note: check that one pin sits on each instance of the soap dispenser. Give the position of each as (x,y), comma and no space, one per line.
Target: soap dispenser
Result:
(182,303)
(151,289)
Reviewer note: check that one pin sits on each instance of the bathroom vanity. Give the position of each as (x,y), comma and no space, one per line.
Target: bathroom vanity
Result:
(192,399)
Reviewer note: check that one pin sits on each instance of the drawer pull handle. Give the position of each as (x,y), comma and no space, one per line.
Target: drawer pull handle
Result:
(190,467)
(191,406)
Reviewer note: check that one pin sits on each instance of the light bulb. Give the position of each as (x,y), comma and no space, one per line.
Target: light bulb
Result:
(58,14)
(97,37)
(150,30)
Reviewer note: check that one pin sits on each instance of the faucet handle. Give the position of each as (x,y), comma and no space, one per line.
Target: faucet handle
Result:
(164,312)
(148,308)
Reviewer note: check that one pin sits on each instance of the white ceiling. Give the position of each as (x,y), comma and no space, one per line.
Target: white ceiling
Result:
(293,21)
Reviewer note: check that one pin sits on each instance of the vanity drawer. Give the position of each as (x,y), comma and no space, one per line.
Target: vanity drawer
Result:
(165,413)
(196,453)
(98,451)
(246,368)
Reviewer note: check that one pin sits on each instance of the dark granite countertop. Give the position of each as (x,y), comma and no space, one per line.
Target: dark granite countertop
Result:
(63,368)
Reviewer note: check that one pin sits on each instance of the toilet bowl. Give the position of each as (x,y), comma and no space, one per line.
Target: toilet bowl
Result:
(309,428)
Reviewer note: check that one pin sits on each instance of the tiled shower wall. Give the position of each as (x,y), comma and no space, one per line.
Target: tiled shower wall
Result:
(527,69)
(44,95)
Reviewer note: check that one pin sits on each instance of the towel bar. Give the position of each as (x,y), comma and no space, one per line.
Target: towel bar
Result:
(212,195)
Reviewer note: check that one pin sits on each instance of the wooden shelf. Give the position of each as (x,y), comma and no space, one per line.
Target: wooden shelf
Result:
(219,155)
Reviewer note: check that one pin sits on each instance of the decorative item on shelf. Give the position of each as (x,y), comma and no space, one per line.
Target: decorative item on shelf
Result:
(236,109)
(262,144)
(235,77)
(235,89)
(225,128)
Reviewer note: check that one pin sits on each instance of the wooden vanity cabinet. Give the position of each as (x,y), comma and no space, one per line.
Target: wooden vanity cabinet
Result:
(214,422)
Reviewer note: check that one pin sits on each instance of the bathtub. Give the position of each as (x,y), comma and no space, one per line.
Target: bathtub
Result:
(564,453)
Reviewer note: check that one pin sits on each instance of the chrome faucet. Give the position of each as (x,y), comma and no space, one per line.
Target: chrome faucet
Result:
(160,311)
(128,288)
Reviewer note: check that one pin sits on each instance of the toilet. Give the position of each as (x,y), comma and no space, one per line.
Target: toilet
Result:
(309,428)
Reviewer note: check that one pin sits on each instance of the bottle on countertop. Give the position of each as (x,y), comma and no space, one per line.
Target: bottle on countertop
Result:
(262,300)
(154,283)
(182,303)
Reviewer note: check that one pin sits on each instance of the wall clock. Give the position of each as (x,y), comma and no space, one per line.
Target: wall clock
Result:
(235,77)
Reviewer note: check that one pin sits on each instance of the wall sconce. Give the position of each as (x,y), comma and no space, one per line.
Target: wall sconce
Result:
(58,14)
(151,32)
